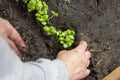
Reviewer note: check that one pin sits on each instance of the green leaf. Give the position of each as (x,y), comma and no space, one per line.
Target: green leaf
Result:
(63,34)
(39,5)
(40,19)
(65,45)
(45,5)
(60,35)
(45,11)
(45,17)
(68,31)
(67,39)
(55,13)
(38,15)
(71,37)
(41,12)
(61,42)
(57,33)
(61,39)
(31,5)
(52,30)
(46,29)
(70,43)
(73,32)
(43,23)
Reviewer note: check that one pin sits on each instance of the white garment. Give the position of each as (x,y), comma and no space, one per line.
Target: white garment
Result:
(12,68)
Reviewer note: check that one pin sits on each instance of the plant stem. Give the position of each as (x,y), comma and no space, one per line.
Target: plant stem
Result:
(50,18)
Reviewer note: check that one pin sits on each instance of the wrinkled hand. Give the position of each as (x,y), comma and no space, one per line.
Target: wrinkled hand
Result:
(12,36)
(76,61)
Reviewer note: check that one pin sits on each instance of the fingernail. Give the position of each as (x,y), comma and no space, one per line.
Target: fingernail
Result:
(23,48)
(23,45)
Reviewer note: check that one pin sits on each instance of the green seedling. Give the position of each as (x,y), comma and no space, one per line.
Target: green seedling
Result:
(66,38)
(41,9)
(39,5)
(55,13)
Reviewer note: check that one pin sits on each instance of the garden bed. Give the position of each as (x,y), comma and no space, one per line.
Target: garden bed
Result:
(95,21)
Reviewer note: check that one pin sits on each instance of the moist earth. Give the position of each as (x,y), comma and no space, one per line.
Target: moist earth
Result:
(95,21)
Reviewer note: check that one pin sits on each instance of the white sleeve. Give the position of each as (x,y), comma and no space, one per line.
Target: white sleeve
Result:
(12,68)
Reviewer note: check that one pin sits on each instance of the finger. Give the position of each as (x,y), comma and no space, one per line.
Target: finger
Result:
(13,46)
(88,63)
(82,75)
(85,64)
(87,55)
(85,74)
(16,38)
(81,47)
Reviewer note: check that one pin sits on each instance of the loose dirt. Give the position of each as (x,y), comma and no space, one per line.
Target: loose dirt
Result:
(95,21)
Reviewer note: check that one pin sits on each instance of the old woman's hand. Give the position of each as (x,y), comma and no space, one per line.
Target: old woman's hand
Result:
(11,36)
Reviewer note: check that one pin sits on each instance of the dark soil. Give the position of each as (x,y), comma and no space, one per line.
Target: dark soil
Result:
(95,21)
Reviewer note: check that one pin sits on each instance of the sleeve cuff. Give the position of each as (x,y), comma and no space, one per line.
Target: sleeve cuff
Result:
(62,70)
(53,70)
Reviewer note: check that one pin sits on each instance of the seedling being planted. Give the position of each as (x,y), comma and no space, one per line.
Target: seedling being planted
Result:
(66,38)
